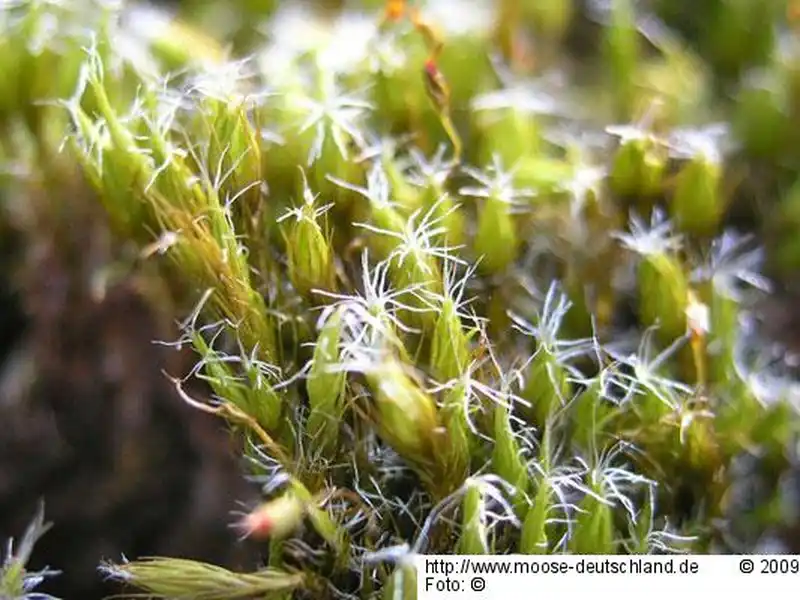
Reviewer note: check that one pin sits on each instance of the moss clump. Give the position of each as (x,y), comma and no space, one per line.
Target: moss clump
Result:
(449,304)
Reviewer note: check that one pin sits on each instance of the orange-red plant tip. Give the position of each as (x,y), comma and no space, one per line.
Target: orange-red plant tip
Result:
(431,69)
(275,518)
(258,524)
(436,85)
(395,10)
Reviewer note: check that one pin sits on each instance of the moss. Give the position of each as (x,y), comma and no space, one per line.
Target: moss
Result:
(542,187)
